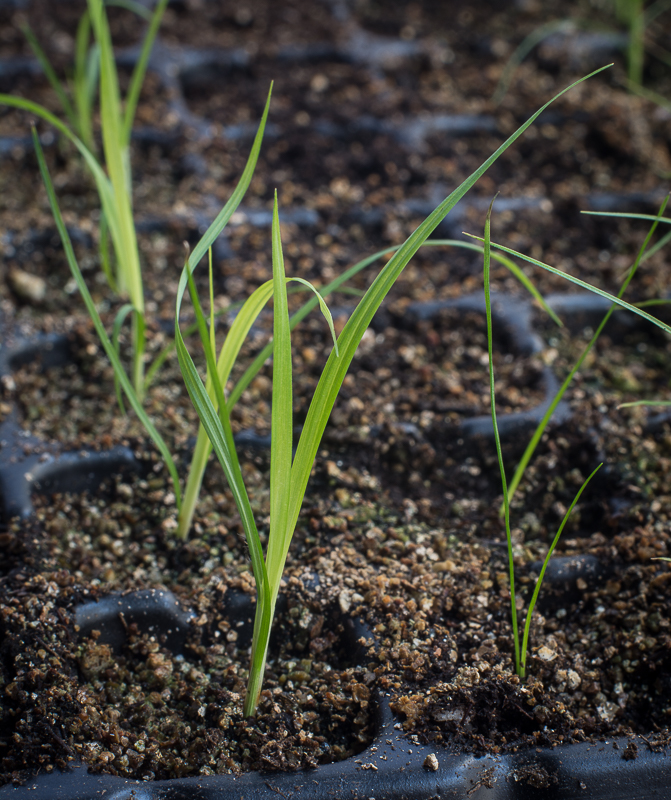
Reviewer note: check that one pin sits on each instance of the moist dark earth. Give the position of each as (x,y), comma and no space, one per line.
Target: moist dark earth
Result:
(378,111)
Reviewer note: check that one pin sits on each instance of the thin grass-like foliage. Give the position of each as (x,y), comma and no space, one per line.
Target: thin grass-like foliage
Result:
(520,651)
(285,509)
(643,253)
(113,178)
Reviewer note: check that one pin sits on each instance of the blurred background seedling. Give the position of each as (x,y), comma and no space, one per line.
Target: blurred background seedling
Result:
(641,38)
(112,175)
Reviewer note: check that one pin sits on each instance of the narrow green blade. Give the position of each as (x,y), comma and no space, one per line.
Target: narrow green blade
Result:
(281,417)
(218,429)
(117,161)
(583,285)
(48,70)
(229,209)
(140,70)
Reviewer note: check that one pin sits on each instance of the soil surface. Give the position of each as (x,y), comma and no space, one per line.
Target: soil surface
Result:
(379,110)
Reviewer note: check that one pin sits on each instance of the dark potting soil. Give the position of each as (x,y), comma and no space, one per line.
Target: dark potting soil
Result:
(378,112)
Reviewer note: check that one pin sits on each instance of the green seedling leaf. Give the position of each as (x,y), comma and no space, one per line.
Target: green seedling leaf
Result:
(658,301)
(103,249)
(324,309)
(229,209)
(50,74)
(87,63)
(520,652)
(201,452)
(116,133)
(115,147)
(244,320)
(655,248)
(213,343)
(627,215)
(219,427)
(137,79)
(282,405)
(539,582)
(582,284)
(119,372)
(280,456)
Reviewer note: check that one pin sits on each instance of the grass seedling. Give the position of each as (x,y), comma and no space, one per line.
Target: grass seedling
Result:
(113,180)
(520,651)
(627,13)
(289,476)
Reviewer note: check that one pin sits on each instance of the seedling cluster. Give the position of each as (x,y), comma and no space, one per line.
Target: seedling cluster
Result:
(289,471)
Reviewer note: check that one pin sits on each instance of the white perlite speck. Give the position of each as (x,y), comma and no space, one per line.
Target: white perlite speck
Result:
(431,762)
(545,654)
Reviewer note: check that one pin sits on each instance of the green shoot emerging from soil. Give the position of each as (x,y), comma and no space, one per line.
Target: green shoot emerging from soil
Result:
(268,572)
(520,652)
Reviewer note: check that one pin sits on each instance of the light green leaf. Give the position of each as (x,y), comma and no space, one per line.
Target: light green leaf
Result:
(324,309)
(282,417)
(583,285)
